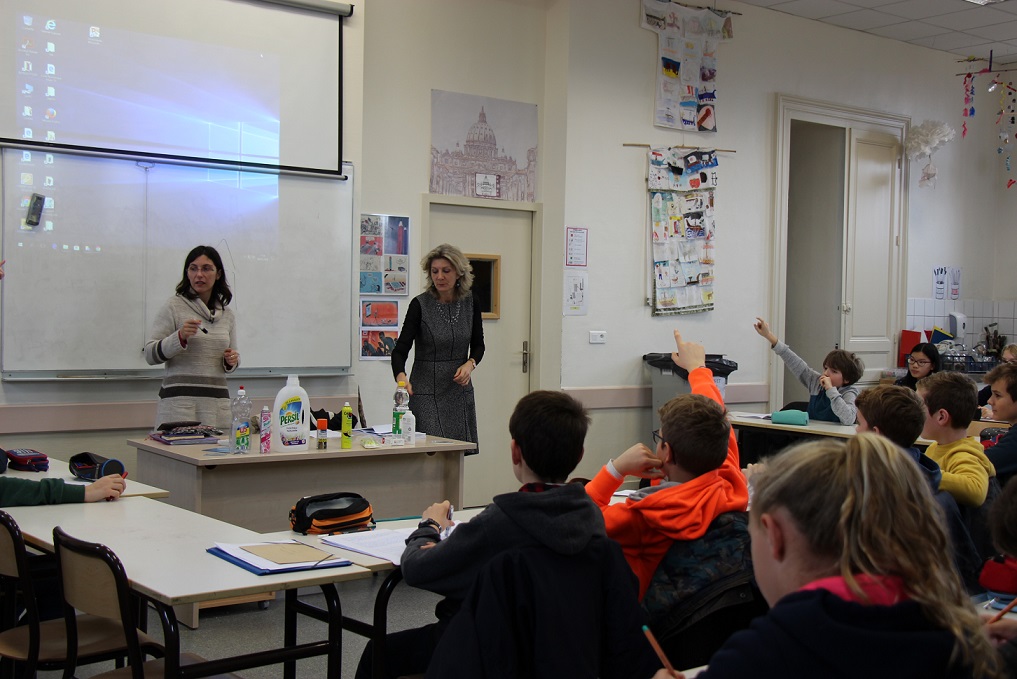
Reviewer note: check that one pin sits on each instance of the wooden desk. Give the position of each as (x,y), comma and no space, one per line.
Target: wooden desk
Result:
(58,469)
(813,429)
(163,551)
(257,491)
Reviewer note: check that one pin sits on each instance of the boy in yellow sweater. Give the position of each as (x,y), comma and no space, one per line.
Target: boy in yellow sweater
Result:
(951,402)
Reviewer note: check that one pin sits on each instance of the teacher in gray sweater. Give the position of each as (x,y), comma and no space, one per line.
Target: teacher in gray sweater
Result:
(194,334)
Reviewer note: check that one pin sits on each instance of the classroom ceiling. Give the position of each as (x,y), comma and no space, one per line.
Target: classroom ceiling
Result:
(956,26)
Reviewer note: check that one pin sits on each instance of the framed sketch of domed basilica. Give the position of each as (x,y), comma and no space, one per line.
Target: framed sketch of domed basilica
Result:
(482,147)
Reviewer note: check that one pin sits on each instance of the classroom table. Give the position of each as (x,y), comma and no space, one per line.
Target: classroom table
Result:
(257,491)
(163,549)
(58,469)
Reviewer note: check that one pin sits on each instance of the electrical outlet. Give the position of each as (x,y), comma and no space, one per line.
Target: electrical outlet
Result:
(598,337)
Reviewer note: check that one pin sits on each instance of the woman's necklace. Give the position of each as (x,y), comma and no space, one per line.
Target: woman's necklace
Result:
(451,316)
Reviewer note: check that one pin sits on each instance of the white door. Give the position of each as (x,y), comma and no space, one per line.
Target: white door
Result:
(869,308)
(499,381)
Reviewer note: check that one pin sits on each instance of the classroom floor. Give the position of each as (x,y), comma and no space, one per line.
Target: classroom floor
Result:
(238,629)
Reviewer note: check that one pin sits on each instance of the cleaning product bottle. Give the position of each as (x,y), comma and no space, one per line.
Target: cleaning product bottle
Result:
(240,430)
(291,422)
(400,406)
(347,431)
(266,430)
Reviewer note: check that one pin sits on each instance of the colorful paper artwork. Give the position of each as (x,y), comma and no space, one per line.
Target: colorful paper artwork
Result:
(384,260)
(687,41)
(682,228)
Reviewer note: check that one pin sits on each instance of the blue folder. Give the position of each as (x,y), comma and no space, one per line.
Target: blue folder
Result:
(332,563)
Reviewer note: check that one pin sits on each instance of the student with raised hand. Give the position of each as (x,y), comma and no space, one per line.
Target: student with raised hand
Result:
(15,492)
(697,459)
(831,393)
(857,587)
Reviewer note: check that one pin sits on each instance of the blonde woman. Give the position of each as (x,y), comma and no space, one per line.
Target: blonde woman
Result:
(849,549)
(445,323)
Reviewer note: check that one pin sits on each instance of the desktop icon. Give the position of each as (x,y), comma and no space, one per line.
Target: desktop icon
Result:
(47,159)
(27,134)
(28,89)
(48,181)
(50,69)
(48,203)
(94,32)
(26,67)
(51,25)
(50,113)
(26,156)
(27,20)
(50,135)
(26,200)
(50,47)
(26,44)
(27,179)
(51,92)
(48,226)
(26,112)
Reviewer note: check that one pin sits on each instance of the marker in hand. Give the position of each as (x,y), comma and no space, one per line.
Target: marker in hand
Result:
(202,328)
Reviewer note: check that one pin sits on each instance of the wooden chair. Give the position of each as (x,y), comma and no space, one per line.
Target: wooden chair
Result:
(94,582)
(42,645)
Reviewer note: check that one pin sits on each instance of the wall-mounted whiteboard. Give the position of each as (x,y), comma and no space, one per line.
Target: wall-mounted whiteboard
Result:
(83,287)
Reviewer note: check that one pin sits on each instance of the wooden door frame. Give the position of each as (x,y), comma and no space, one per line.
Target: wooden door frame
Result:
(537,264)
(836,115)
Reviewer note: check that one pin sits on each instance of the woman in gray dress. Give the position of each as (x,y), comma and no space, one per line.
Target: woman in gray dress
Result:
(444,321)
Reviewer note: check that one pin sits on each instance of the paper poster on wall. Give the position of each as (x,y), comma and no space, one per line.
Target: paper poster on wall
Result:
(946,282)
(482,147)
(682,228)
(575,245)
(384,259)
(687,41)
(377,345)
(576,300)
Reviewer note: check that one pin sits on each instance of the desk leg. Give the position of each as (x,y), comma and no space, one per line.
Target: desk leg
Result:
(187,614)
(333,617)
(171,640)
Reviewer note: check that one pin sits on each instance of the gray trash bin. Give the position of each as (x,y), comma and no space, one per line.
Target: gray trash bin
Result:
(668,380)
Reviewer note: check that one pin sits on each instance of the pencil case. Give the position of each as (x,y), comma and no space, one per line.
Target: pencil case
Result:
(89,466)
(796,417)
(27,460)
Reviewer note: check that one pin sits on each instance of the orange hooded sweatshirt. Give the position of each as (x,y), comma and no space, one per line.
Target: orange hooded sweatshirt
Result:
(646,528)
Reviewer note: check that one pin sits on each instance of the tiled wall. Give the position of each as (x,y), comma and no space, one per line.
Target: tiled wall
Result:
(925,313)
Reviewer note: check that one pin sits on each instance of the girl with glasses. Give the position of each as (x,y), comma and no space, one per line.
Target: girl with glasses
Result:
(923,361)
(194,334)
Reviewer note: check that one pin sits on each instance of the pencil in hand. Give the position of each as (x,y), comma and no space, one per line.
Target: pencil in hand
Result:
(660,652)
(1006,609)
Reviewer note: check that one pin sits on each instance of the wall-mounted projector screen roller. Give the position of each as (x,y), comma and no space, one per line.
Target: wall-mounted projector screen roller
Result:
(231,80)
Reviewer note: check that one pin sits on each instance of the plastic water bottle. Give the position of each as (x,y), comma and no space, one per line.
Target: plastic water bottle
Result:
(266,429)
(347,426)
(409,426)
(240,431)
(400,406)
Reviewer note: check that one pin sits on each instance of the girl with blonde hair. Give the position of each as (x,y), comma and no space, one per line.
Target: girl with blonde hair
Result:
(849,549)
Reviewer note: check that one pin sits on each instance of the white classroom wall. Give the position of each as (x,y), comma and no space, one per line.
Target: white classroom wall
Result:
(589,67)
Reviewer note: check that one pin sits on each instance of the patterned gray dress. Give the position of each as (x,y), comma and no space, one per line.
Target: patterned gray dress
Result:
(446,336)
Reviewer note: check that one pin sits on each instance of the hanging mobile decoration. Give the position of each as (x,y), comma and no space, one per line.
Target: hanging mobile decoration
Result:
(924,140)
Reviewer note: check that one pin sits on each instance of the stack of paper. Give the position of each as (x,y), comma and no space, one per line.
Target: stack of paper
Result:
(382,543)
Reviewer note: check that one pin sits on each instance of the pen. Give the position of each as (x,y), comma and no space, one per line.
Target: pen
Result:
(203,330)
(659,651)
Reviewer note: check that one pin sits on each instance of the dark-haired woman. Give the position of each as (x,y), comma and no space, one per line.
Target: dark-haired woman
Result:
(194,334)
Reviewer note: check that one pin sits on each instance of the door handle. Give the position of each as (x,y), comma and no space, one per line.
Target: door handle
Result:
(526,356)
